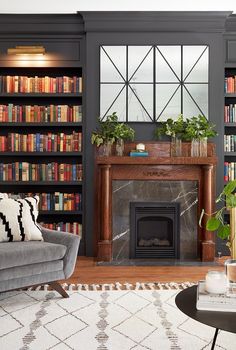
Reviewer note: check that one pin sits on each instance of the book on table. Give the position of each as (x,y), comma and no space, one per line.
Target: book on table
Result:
(214,302)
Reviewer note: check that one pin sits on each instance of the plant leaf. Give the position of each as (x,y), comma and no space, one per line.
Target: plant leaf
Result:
(223,231)
(230,187)
(230,201)
(213,224)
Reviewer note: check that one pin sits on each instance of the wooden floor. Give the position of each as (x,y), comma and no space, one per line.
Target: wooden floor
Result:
(87,272)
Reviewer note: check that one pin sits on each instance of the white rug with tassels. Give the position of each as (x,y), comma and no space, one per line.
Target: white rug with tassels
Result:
(103,317)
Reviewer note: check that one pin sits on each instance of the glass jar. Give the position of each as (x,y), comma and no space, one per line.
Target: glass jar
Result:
(105,149)
(203,147)
(176,146)
(195,148)
(230,268)
(120,146)
(216,282)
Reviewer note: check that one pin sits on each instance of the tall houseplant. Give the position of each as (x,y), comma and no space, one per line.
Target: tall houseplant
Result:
(215,222)
(109,131)
(176,130)
(198,130)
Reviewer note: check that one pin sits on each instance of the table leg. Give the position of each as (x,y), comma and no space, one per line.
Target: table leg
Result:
(214,339)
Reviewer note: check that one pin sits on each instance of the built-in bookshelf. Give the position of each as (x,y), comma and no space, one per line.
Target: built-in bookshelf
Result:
(41,141)
(230,124)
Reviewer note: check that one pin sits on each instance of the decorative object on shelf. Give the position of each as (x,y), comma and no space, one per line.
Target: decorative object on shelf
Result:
(216,282)
(198,130)
(176,130)
(120,147)
(26,50)
(216,222)
(140,147)
(230,269)
(110,131)
(139,151)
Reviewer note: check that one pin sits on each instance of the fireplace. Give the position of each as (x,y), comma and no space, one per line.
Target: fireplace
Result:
(154,230)
(148,175)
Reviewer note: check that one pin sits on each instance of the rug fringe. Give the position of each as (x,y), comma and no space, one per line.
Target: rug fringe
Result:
(120,286)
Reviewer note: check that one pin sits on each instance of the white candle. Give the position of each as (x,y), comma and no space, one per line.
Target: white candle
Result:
(140,147)
(216,282)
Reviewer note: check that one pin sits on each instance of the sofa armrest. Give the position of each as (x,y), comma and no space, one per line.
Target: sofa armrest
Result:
(67,239)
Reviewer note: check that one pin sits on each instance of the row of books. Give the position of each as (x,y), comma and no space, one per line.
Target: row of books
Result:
(54,201)
(23,171)
(230,143)
(36,84)
(72,227)
(49,142)
(229,171)
(40,114)
(230,113)
(230,84)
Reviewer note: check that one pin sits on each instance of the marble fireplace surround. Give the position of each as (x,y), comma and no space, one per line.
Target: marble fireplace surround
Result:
(157,167)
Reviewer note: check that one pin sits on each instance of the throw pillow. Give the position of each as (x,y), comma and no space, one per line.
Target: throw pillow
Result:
(18,220)
(3,195)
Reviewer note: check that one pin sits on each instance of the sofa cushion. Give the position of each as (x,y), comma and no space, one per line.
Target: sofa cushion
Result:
(25,253)
(18,219)
(31,270)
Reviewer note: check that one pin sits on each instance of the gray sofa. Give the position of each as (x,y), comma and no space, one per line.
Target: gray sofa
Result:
(24,264)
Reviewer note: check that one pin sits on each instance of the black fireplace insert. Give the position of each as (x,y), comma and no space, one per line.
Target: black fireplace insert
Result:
(154,230)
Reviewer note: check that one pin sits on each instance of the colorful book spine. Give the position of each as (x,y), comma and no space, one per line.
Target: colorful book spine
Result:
(72,227)
(50,142)
(24,171)
(24,84)
(57,201)
(40,114)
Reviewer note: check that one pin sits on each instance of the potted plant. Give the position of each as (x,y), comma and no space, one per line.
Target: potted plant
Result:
(198,130)
(176,130)
(109,131)
(216,221)
(122,132)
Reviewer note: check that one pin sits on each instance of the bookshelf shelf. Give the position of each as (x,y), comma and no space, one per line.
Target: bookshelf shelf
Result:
(43,106)
(230,95)
(60,212)
(48,95)
(41,154)
(46,125)
(40,183)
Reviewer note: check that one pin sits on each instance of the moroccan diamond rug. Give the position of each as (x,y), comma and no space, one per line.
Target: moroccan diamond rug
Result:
(106,319)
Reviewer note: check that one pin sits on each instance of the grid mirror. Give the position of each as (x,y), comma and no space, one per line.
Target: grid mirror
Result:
(153,83)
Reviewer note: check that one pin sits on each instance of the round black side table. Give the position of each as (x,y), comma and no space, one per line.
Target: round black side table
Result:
(186,302)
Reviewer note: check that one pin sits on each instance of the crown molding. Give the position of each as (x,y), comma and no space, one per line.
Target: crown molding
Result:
(189,21)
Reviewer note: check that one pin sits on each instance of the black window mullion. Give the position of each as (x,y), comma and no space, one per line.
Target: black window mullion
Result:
(154,84)
(126,83)
(181,85)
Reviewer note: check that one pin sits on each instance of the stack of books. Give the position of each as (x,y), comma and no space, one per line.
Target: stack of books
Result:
(214,302)
(137,153)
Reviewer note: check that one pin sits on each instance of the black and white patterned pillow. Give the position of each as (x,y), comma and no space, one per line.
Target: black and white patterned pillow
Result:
(18,219)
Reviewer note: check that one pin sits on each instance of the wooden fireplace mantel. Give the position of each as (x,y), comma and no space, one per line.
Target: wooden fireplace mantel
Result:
(164,168)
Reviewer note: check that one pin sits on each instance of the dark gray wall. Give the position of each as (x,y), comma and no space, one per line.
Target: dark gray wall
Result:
(172,32)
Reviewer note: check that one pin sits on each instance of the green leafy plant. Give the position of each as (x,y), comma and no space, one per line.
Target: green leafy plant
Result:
(216,220)
(111,130)
(198,128)
(172,127)
(191,128)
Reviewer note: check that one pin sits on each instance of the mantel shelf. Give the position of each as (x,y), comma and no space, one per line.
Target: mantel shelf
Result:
(126,160)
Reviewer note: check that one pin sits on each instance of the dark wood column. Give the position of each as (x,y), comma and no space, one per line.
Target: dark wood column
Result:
(105,239)
(208,242)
